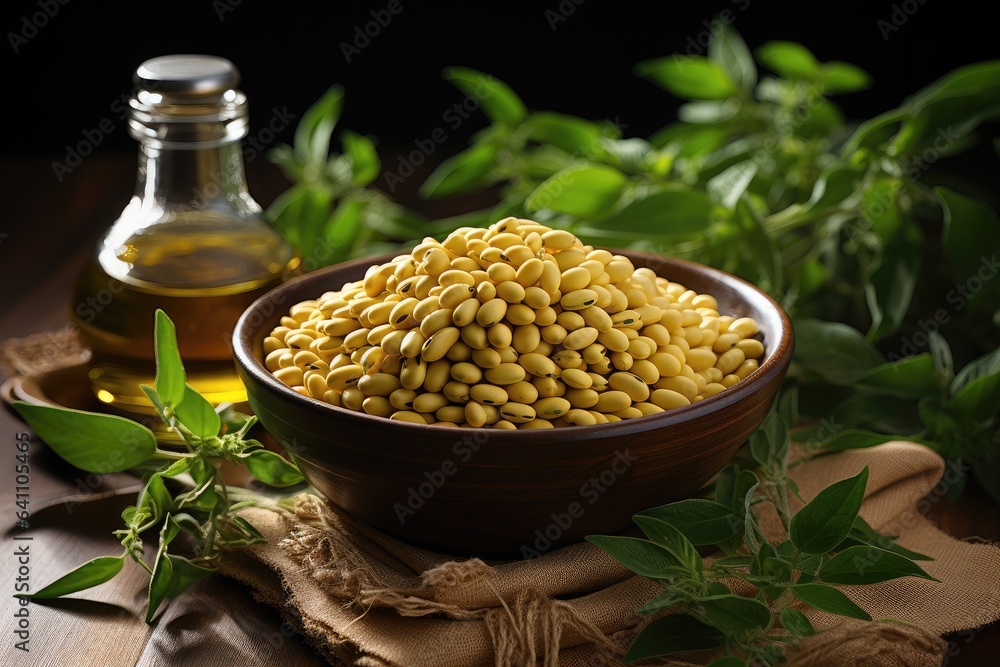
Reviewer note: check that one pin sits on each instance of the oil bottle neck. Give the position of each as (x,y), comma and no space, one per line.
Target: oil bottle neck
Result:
(195,179)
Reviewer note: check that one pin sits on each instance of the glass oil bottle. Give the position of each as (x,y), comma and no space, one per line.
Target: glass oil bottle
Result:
(190,241)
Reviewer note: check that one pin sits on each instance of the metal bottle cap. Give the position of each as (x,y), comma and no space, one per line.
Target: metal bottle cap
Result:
(187,102)
(187,75)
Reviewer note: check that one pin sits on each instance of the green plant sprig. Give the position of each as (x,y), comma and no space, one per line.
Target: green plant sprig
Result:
(331,213)
(205,511)
(825,544)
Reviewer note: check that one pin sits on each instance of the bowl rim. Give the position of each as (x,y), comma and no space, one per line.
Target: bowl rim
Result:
(775,365)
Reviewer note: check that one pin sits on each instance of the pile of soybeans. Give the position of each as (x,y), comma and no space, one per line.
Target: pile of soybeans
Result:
(515,326)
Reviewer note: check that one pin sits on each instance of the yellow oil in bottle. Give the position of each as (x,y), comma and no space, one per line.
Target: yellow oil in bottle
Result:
(203,271)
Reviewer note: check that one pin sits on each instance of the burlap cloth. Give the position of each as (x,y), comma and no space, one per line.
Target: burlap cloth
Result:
(366,599)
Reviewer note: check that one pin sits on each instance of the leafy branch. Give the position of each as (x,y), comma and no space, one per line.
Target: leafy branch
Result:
(888,279)
(330,213)
(203,510)
(736,601)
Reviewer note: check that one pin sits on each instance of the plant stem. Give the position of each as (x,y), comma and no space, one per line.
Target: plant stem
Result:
(794,217)
(783,509)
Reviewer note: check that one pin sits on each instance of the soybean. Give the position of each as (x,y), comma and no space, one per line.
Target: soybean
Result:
(512,326)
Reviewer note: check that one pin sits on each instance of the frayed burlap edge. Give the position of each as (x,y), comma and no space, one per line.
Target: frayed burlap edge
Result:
(529,628)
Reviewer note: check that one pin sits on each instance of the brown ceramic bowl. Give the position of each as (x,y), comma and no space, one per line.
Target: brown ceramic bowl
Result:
(497,493)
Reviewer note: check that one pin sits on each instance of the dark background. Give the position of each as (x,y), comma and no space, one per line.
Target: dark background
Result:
(70,75)
(65,79)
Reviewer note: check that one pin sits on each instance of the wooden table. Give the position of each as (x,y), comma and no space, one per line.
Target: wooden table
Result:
(48,229)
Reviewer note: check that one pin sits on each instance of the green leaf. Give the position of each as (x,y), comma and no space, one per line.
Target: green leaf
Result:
(178,467)
(863,533)
(910,377)
(204,498)
(735,614)
(726,188)
(888,414)
(313,132)
(364,158)
(299,214)
(461,173)
(541,162)
(161,579)
(689,77)
(664,600)
(170,376)
(875,133)
(88,440)
(233,420)
(985,367)
(788,405)
(838,77)
(577,136)
(880,206)
(671,539)
(709,111)
(630,155)
(971,234)
(727,48)
(821,119)
(762,247)
(248,528)
(683,140)
(889,289)
(154,398)
(733,561)
(855,439)
(868,565)
(828,599)
(159,584)
(975,389)
(665,212)
(950,108)
(343,227)
(835,187)
(641,556)
(790,60)
(724,485)
(674,633)
(836,352)
(283,156)
(827,519)
(745,481)
(584,190)
(271,468)
(750,529)
(769,443)
(940,352)
(155,497)
(496,98)
(796,622)
(702,521)
(806,563)
(184,574)
(88,575)
(778,569)
(196,413)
